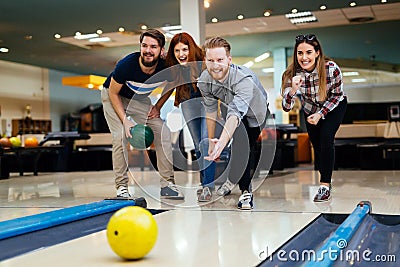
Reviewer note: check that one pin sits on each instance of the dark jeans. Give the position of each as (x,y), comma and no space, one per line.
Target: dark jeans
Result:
(243,154)
(322,137)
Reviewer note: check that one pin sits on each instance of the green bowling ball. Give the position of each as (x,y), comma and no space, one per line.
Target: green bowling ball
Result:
(142,136)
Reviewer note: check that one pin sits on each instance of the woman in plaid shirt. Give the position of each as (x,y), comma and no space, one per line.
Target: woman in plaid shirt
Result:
(317,80)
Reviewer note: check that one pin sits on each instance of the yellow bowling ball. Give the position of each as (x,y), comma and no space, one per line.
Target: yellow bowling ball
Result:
(132,232)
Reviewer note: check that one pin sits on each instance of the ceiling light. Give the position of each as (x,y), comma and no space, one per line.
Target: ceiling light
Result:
(99,31)
(267,13)
(214,20)
(80,36)
(4,50)
(121,29)
(298,15)
(168,28)
(294,10)
(143,27)
(323,7)
(383,1)
(350,73)
(268,70)
(262,57)
(99,39)
(303,20)
(206,4)
(171,30)
(353,4)
(248,64)
(361,80)
(240,17)
(57,36)
(301,17)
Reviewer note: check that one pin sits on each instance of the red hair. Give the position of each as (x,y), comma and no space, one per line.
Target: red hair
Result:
(195,54)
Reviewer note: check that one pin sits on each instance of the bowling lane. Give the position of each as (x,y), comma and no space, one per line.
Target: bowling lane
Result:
(186,238)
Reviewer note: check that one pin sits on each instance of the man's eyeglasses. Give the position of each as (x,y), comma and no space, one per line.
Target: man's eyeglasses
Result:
(308,37)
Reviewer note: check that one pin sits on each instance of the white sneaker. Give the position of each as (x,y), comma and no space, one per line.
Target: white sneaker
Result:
(225,189)
(123,191)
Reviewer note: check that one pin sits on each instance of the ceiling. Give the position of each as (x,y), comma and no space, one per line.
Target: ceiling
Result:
(27,29)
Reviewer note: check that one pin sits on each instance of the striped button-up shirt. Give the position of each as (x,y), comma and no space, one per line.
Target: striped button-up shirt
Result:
(309,91)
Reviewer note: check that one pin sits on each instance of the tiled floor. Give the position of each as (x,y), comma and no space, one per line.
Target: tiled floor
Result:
(214,234)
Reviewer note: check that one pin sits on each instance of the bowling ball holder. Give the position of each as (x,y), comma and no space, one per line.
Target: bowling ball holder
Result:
(139,201)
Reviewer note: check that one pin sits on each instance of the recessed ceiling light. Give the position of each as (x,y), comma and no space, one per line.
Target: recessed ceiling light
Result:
(57,36)
(121,29)
(323,7)
(4,50)
(294,10)
(240,17)
(267,13)
(99,31)
(214,20)
(28,37)
(353,4)
(383,1)
(206,4)
(143,27)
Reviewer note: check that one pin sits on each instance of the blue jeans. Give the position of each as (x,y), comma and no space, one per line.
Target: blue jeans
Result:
(194,115)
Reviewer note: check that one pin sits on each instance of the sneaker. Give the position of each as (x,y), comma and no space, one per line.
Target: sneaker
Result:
(324,194)
(245,201)
(123,191)
(171,191)
(205,195)
(225,189)
(199,190)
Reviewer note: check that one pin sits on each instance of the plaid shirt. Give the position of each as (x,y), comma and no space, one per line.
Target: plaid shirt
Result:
(309,91)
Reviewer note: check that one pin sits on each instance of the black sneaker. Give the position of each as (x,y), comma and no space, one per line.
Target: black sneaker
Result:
(171,191)
(245,201)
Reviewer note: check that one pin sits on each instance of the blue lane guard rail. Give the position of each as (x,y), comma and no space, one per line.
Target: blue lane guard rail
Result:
(44,220)
(329,252)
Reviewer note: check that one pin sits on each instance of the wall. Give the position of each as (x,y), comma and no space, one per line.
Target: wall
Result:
(42,89)
(66,99)
(373,93)
(22,85)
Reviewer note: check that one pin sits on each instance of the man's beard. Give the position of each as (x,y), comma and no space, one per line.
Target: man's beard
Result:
(149,64)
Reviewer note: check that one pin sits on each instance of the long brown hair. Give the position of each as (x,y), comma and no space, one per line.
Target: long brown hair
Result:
(195,54)
(321,60)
